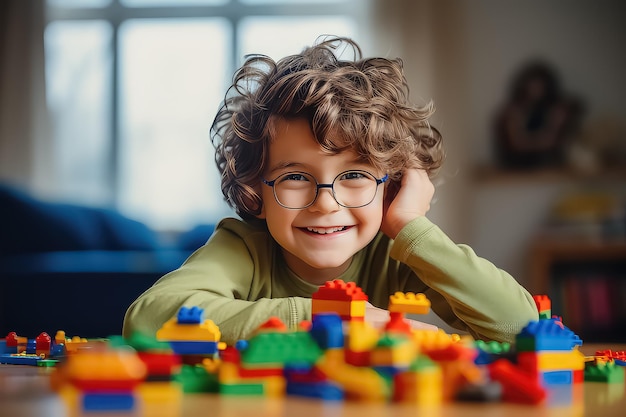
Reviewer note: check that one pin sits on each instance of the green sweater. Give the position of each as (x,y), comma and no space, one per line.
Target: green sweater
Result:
(240,279)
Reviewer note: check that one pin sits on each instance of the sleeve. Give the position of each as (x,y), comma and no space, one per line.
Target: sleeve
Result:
(225,280)
(488,301)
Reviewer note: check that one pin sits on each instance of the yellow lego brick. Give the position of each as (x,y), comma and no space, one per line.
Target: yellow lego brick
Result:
(409,303)
(362,336)
(343,308)
(204,332)
(357,382)
(399,356)
(552,360)
(423,387)
(432,339)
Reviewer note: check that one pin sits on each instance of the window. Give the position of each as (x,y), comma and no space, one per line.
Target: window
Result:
(133,86)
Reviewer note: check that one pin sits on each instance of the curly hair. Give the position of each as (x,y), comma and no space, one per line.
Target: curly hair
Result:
(363,102)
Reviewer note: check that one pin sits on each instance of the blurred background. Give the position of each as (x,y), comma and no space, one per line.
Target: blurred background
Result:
(106,105)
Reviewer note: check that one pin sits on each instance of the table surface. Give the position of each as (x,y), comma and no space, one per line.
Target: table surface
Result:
(24,392)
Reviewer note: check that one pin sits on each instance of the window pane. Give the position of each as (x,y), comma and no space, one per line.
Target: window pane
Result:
(261,2)
(281,36)
(79,3)
(173,75)
(78,73)
(160,3)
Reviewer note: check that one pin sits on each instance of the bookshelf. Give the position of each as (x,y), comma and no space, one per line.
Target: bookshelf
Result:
(586,281)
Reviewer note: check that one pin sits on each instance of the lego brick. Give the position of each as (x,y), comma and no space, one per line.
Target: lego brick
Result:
(340,291)
(556,378)
(551,360)
(194,347)
(20,359)
(543,303)
(609,372)
(327,330)
(409,303)
(281,348)
(108,402)
(347,310)
(190,315)
(546,335)
(517,386)
(357,382)
(397,324)
(327,391)
(173,331)
(194,378)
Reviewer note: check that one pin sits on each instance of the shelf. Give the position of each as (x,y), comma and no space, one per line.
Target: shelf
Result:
(493,175)
(546,252)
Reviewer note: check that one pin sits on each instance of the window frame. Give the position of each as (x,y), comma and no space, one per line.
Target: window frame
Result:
(234,11)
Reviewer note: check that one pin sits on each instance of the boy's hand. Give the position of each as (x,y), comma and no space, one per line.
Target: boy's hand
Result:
(406,202)
(378,318)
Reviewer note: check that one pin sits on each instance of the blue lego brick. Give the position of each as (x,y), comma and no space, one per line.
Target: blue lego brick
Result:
(557,378)
(321,390)
(546,335)
(15,359)
(3,347)
(327,330)
(108,402)
(190,315)
(194,347)
(31,347)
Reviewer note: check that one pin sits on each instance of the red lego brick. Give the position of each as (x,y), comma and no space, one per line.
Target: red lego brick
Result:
(340,291)
(517,386)
(542,302)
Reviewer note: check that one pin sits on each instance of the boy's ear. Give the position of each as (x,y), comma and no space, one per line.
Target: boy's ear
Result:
(261,214)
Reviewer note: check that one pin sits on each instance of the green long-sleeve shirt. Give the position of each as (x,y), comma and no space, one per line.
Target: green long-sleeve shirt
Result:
(240,279)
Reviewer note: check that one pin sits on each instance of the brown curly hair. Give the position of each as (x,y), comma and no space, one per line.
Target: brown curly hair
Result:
(364,102)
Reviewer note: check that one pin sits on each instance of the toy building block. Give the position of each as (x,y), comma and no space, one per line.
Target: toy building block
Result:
(421,384)
(546,335)
(346,299)
(188,333)
(270,349)
(409,303)
(361,339)
(491,351)
(517,385)
(357,382)
(397,324)
(599,371)
(392,354)
(544,306)
(327,330)
(618,357)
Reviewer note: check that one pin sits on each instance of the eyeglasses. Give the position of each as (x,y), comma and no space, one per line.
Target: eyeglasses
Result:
(350,189)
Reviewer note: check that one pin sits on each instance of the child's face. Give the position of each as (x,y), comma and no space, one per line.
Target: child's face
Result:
(317,257)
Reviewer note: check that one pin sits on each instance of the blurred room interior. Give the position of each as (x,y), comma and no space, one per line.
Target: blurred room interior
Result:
(107,103)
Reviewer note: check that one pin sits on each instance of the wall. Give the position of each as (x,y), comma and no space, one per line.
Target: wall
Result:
(472,48)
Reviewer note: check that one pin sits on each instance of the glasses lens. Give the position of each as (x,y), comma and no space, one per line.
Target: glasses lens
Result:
(295,189)
(355,188)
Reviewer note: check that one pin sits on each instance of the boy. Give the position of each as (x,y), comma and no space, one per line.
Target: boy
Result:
(328,165)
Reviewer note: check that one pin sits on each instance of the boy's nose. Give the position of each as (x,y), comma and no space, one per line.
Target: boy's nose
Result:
(325,201)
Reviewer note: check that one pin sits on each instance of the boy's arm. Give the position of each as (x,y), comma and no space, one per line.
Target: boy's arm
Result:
(488,300)
(220,277)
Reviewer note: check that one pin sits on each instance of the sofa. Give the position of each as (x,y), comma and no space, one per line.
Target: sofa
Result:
(77,268)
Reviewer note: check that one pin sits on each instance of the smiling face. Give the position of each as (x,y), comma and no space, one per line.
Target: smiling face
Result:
(318,242)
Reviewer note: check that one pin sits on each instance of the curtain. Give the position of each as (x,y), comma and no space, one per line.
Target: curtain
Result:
(25,146)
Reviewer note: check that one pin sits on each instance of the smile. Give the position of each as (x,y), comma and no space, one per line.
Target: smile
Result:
(326,230)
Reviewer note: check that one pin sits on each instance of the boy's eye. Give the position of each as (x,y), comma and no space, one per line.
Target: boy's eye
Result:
(352,175)
(295,176)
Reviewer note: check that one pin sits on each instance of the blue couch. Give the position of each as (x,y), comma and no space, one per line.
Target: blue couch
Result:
(77,268)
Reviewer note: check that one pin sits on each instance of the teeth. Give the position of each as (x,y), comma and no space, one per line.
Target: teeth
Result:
(325,230)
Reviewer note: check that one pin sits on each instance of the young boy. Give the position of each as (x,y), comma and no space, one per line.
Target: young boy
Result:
(328,164)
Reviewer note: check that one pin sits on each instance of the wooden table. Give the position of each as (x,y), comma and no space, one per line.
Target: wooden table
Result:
(24,392)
